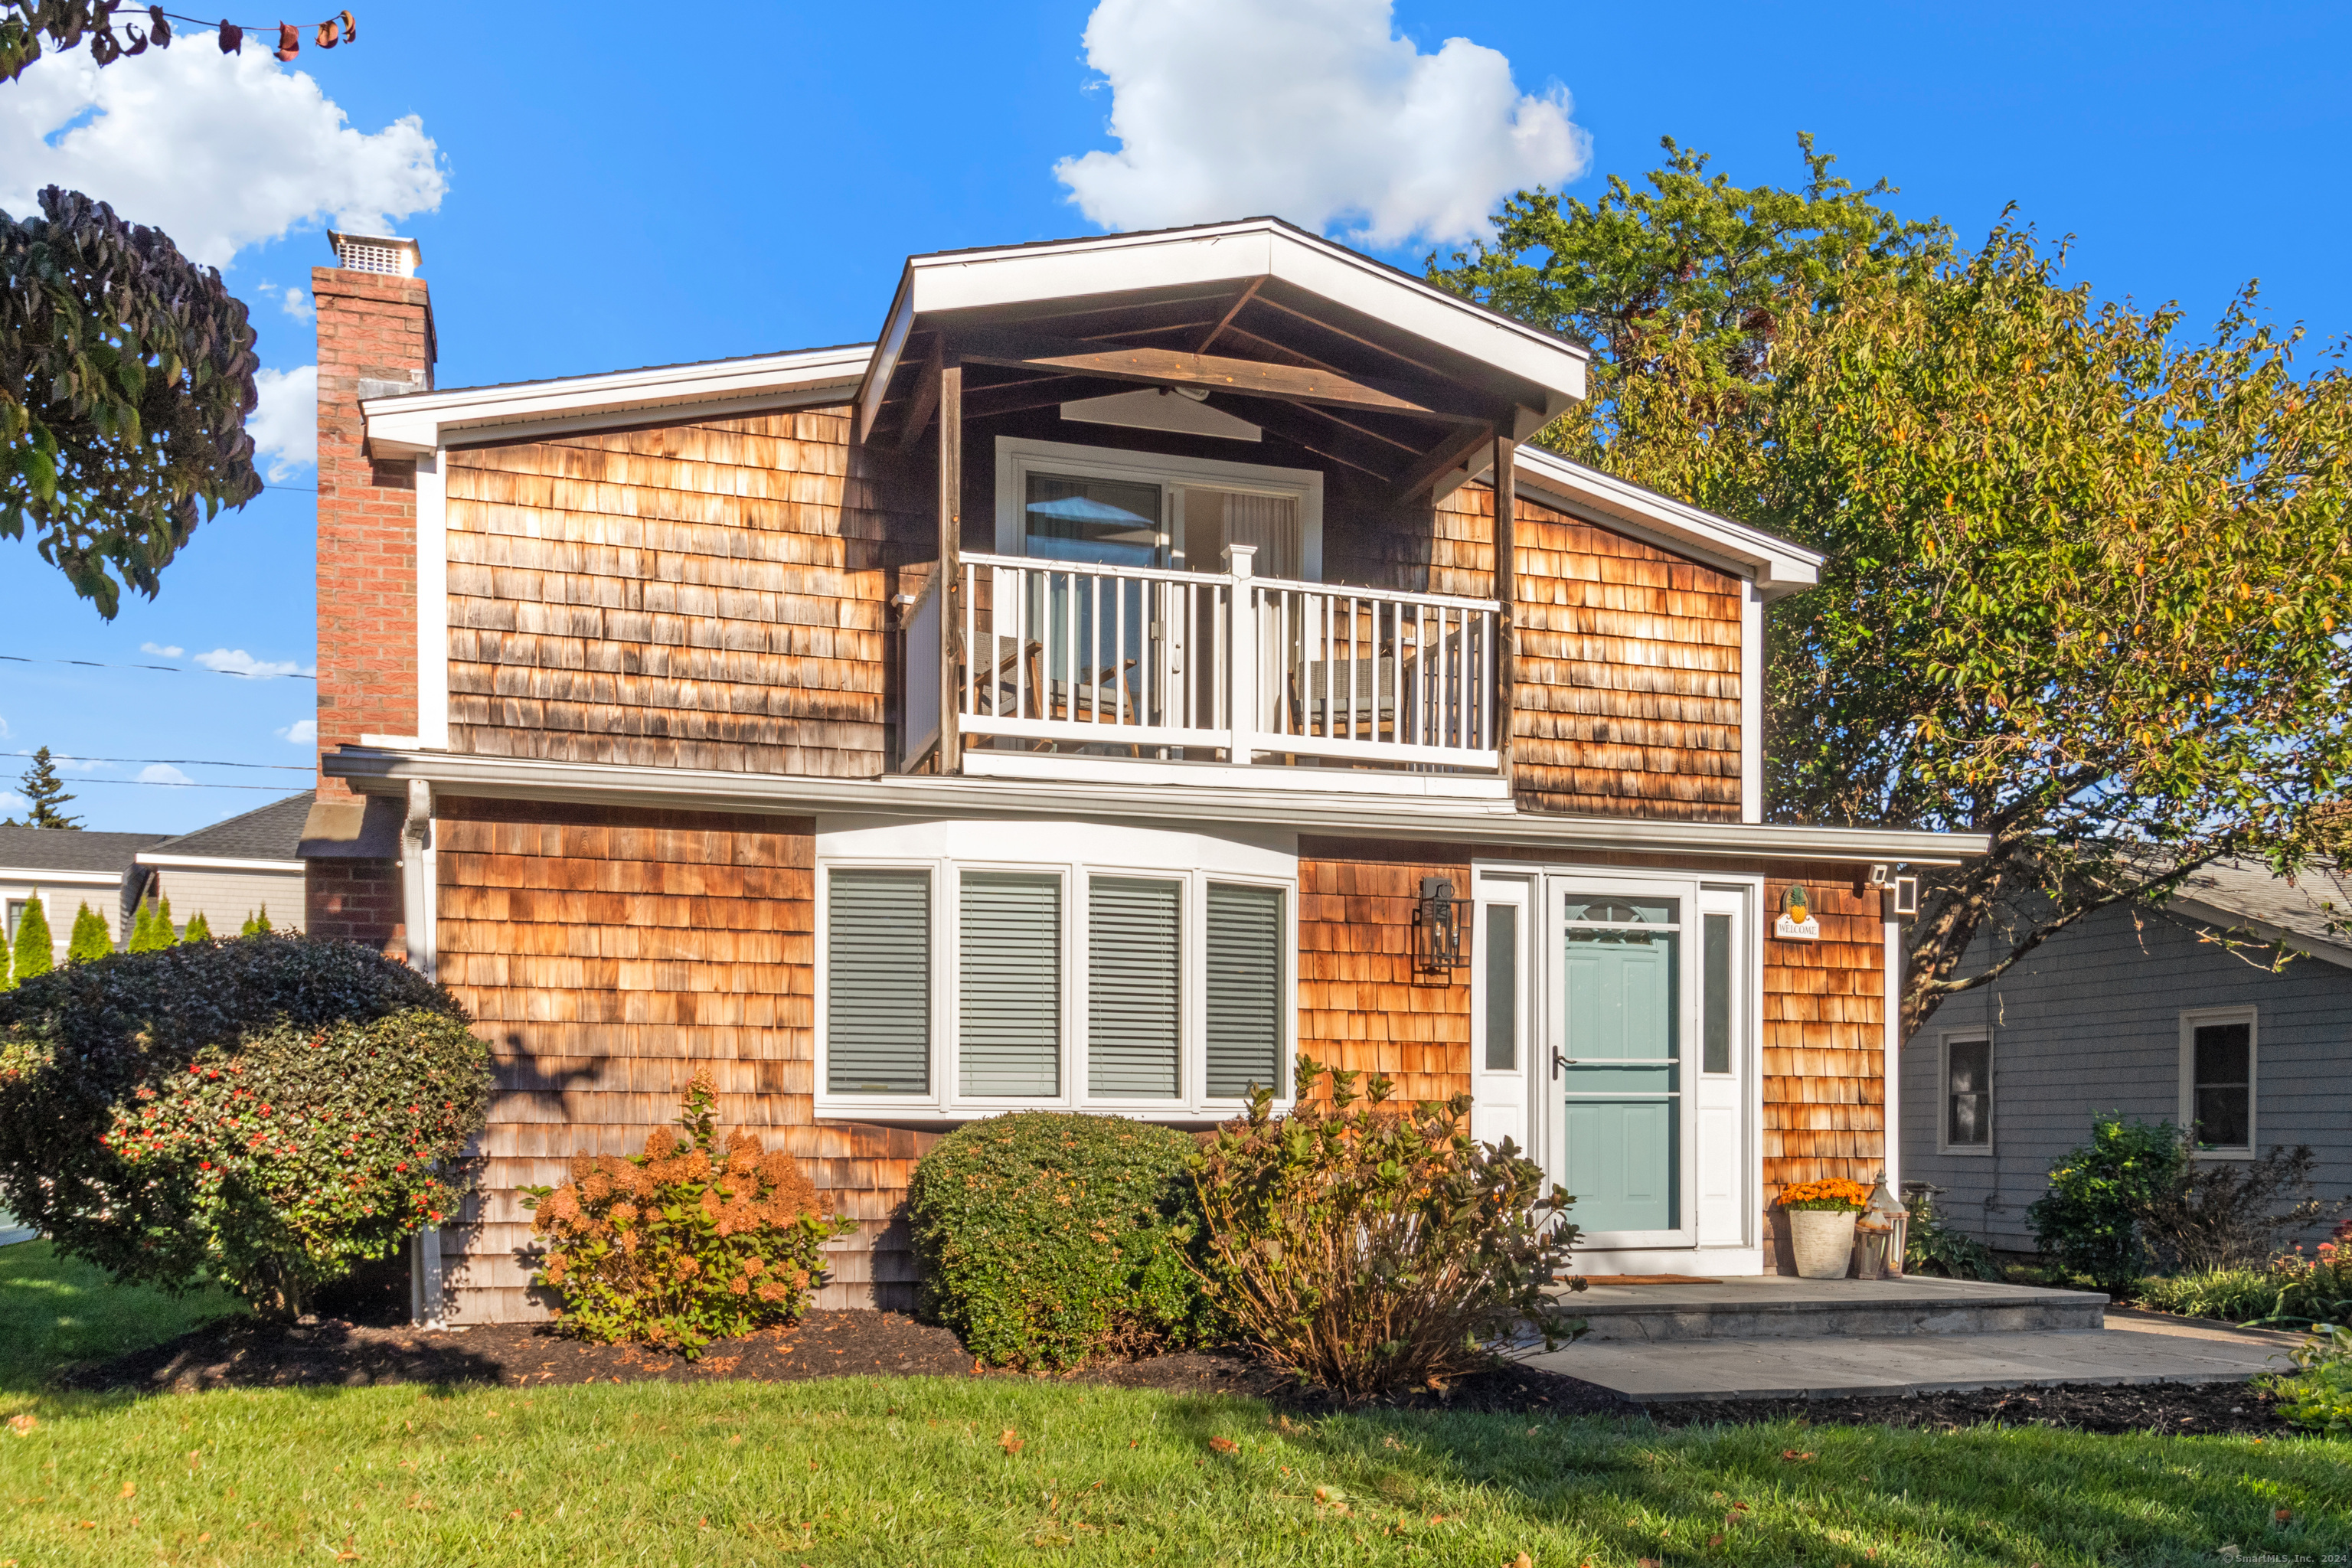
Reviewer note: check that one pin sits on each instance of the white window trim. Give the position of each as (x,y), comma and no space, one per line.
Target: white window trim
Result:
(1017,457)
(945,1102)
(2190,1019)
(1944,1044)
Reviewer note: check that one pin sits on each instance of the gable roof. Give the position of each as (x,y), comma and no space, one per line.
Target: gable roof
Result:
(2246,895)
(55,849)
(270,832)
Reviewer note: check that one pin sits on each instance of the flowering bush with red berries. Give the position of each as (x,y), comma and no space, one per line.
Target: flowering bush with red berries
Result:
(266,1112)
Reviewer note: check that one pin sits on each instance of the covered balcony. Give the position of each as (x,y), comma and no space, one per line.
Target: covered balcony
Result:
(1187,488)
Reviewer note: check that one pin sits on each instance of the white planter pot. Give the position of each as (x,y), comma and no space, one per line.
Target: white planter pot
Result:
(1823,1242)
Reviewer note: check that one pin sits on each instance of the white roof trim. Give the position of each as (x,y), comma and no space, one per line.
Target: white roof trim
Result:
(14,876)
(1409,817)
(221,863)
(1224,253)
(410,425)
(1778,567)
(2226,919)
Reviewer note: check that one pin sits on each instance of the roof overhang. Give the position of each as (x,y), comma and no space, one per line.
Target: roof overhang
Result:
(970,282)
(221,863)
(2228,920)
(1418,818)
(410,425)
(1777,567)
(47,874)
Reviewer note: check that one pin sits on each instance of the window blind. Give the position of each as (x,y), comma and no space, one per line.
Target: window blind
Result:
(1245,990)
(1010,953)
(1134,987)
(878,982)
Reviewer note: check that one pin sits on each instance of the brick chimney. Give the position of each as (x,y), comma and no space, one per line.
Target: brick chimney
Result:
(375,340)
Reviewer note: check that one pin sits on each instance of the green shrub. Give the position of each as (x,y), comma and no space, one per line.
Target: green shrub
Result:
(1931,1244)
(1368,1249)
(1049,1239)
(270,1111)
(686,1242)
(2295,1287)
(89,940)
(149,932)
(256,924)
(199,928)
(2229,1214)
(34,955)
(2318,1397)
(2088,1223)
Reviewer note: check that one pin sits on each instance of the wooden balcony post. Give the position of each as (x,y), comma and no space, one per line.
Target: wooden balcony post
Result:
(1242,661)
(952,607)
(1506,594)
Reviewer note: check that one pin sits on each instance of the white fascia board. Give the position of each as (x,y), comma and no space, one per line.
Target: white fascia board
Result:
(410,425)
(1453,822)
(14,875)
(221,863)
(1777,567)
(1233,254)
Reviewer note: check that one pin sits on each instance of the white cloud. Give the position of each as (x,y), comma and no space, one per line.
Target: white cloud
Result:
(293,301)
(219,151)
(12,803)
(162,774)
(4,728)
(1313,110)
(285,424)
(236,661)
(162,650)
(301,733)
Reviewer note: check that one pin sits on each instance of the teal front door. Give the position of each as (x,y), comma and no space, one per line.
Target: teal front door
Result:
(1621,1075)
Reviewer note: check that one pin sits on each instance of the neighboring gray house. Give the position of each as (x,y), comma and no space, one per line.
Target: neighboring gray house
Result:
(2143,1010)
(65,868)
(229,871)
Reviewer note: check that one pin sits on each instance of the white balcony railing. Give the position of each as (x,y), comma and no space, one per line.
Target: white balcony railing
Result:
(1212,666)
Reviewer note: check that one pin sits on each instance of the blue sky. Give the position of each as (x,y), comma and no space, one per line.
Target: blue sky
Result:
(614,193)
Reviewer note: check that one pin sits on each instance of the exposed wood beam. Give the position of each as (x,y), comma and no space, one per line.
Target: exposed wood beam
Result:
(925,398)
(1506,592)
(1243,298)
(1271,303)
(1453,452)
(1294,356)
(950,588)
(1169,367)
(1298,423)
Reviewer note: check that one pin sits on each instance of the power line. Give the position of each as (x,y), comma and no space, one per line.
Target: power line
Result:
(191,762)
(167,669)
(175,784)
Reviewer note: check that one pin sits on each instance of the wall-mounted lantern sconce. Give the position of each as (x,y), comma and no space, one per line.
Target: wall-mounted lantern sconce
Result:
(1437,947)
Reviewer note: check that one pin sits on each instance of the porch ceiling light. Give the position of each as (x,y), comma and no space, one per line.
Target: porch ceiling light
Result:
(1437,929)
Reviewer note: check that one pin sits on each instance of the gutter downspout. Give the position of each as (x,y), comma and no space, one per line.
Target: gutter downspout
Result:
(426,1295)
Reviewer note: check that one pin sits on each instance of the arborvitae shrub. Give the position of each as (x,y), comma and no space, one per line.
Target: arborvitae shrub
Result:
(256,924)
(1049,1239)
(270,1111)
(32,953)
(148,933)
(199,928)
(89,938)
(691,1241)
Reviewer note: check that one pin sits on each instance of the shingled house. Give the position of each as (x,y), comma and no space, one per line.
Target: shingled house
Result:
(1087,694)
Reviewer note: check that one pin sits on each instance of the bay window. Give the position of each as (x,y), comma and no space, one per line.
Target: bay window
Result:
(954,984)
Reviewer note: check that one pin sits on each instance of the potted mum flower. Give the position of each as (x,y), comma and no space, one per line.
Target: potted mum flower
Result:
(1821,1225)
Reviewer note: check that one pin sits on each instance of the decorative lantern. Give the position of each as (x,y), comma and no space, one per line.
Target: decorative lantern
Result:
(1437,929)
(1881,1232)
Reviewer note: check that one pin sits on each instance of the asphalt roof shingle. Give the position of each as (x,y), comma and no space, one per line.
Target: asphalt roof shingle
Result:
(2310,908)
(272,832)
(71,849)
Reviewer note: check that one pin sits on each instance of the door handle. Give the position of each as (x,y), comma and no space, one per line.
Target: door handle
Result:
(1559,1061)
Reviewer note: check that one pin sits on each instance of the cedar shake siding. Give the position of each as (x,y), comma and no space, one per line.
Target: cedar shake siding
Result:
(717,596)
(607,955)
(707,595)
(1361,1006)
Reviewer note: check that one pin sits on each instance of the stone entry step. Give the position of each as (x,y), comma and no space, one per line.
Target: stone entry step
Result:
(1775,1307)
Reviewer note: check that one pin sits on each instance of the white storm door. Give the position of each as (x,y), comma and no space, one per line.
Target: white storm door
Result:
(1500,988)
(1725,1159)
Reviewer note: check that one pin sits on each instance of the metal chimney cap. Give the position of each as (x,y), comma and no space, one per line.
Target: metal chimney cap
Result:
(388,254)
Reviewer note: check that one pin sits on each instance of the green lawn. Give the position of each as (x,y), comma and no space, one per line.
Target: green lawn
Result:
(863,1472)
(912,1471)
(55,1312)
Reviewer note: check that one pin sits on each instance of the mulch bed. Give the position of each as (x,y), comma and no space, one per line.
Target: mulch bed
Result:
(337,1353)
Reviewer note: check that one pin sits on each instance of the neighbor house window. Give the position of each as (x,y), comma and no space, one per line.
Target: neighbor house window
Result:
(1968,1095)
(15,913)
(2217,1080)
(961,989)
